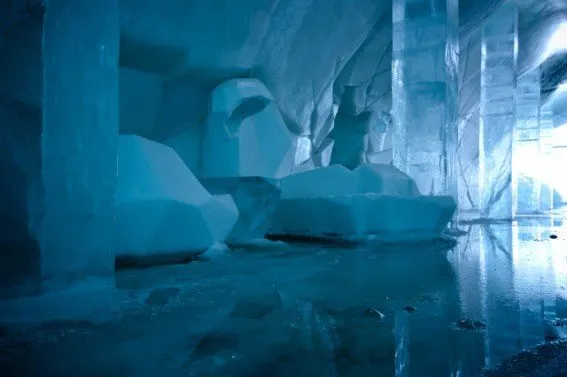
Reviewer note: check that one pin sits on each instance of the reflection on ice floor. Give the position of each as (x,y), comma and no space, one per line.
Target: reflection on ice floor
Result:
(309,310)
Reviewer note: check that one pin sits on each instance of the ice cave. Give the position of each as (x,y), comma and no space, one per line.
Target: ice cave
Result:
(236,188)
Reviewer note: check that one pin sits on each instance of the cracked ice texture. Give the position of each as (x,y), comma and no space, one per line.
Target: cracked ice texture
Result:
(498,112)
(527,141)
(424,92)
(468,121)
(79,141)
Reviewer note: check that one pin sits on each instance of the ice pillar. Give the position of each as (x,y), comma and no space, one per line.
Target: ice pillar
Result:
(546,156)
(526,143)
(79,141)
(424,92)
(497,112)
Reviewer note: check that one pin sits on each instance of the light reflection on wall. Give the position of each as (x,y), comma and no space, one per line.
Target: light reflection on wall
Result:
(547,172)
(558,40)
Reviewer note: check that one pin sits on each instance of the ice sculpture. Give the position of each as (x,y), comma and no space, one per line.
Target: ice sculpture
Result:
(161,208)
(424,92)
(246,134)
(526,142)
(497,112)
(256,199)
(376,200)
(351,131)
(79,141)
(546,155)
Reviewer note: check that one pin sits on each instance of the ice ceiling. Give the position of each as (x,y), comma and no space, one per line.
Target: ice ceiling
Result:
(300,48)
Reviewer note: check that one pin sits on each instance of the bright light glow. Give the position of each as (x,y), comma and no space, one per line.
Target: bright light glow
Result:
(558,40)
(561,88)
(559,157)
(547,172)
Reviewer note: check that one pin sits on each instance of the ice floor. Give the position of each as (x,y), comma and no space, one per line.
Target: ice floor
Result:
(305,310)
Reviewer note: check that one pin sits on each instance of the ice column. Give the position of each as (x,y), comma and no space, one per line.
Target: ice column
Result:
(497,112)
(79,141)
(424,92)
(526,143)
(546,156)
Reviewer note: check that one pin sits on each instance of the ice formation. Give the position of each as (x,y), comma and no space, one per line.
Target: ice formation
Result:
(499,73)
(255,198)
(546,143)
(527,142)
(79,139)
(161,208)
(246,134)
(256,91)
(374,200)
(424,92)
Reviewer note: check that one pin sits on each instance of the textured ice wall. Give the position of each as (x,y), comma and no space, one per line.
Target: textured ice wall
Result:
(424,92)
(545,154)
(527,142)
(499,73)
(297,48)
(308,53)
(79,140)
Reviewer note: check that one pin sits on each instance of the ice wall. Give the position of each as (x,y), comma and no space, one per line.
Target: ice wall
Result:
(307,53)
(468,121)
(79,141)
(499,70)
(301,50)
(424,92)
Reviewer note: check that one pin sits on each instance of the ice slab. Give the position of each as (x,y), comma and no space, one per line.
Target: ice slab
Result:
(374,200)
(256,200)
(338,180)
(161,208)
(246,134)
(332,180)
(389,218)
(384,179)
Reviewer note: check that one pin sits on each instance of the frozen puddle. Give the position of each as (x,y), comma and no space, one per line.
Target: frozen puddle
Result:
(279,309)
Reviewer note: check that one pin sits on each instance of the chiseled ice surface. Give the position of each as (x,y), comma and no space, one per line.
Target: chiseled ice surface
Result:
(79,139)
(246,135)
(527,143)
(499,73)
(424,92)
(256,199)
(546,127)
(377,200)
(161,207)
(294,310)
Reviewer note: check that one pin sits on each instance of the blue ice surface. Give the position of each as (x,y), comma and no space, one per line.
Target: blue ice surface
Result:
(305,309)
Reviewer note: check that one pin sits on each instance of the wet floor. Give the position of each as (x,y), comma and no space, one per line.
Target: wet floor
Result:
(304,310)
